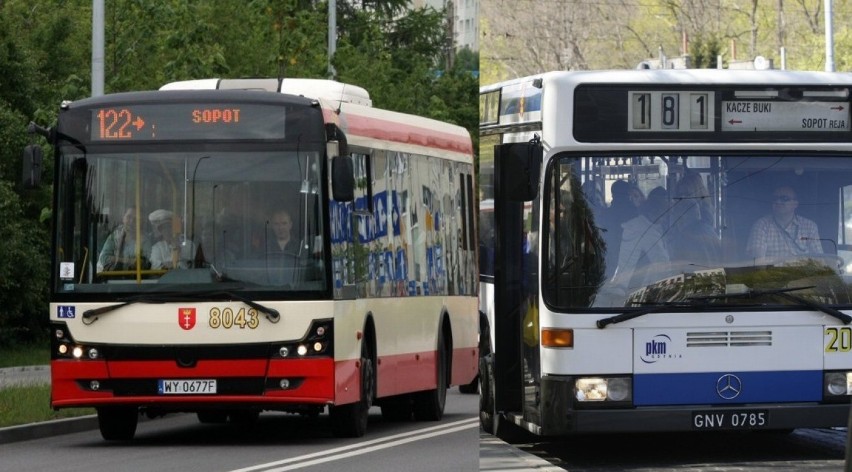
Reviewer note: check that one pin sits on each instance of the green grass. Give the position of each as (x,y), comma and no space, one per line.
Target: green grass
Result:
(25,354)
(29,404)
(22,405)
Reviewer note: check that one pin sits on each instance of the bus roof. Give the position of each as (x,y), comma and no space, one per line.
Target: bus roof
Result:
(685,76)
(309,88)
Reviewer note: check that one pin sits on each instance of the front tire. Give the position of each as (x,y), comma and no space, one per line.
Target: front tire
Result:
(118,423)
(350,421)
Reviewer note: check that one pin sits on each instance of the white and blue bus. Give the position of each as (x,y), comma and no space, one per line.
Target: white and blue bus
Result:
(666,251)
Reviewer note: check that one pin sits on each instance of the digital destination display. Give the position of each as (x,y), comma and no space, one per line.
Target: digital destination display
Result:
(187,121)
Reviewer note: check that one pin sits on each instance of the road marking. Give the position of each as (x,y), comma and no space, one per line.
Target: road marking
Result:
(360,448)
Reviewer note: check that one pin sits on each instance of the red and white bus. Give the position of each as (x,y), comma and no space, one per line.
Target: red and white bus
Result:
(226,247)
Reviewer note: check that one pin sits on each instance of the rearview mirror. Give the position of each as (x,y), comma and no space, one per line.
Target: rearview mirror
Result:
(32,165)
(342,179)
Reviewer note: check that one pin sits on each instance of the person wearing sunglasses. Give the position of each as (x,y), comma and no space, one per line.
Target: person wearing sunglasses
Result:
(783,234)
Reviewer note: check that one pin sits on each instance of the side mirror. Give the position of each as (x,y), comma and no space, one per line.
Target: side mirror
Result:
(32,165)
(520,165)
(342,179)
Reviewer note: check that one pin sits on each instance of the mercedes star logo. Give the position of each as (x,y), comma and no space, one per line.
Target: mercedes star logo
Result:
(729,386)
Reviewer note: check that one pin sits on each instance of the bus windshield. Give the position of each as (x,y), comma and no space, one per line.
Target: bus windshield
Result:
(632,230)
(169,220)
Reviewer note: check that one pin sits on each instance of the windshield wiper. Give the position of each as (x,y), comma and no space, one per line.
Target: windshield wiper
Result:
(90,316)
(785,294)
(751,293)
(653,308)
(271,313)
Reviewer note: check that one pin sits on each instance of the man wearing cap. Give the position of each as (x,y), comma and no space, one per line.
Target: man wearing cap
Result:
(172,251)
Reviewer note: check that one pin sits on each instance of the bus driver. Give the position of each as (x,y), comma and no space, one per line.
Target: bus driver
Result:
(783,233)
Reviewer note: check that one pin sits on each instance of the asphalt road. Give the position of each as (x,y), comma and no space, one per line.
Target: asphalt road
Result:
(277,442)
(285,442)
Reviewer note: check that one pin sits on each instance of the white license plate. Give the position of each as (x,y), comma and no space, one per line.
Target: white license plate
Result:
(186,387)
(730,419)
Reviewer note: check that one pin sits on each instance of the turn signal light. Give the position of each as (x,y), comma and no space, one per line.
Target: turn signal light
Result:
(557,337)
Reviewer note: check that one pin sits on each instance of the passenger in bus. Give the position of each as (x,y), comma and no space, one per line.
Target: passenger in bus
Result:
(119,249)
(281,257)
(782,233)
(280,240)
(636,196)
(642,253)
(643,256)
(693,243)
(620,211)
(692,186)
(172,250)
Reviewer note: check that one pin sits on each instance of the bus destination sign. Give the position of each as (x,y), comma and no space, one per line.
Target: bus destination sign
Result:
(708,113)
(186,121)
(745,115)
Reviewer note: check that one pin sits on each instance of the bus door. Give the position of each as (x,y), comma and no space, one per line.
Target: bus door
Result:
(516,174)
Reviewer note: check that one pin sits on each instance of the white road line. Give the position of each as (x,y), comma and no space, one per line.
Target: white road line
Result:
(360,448)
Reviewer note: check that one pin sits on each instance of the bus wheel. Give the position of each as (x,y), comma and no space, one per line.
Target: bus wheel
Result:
(486,395)
(350,420)
(118,423)
(212,417)
(429,405)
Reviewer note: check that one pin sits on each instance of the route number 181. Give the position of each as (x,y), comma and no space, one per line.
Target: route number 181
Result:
(664,111)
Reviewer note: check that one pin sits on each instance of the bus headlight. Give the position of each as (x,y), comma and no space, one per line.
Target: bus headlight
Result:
(838,383)
(603,389)
(619,390)
(317,342)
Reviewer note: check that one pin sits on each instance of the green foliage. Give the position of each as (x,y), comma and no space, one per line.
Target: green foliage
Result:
(704,52)
(23,272)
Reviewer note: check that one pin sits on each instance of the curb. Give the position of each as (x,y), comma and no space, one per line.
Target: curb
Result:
(44,429)
(499,456)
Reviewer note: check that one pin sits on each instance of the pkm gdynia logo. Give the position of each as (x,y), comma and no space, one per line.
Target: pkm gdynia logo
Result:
(658,348)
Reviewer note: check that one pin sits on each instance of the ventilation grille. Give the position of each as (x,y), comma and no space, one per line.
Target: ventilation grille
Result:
(728,338)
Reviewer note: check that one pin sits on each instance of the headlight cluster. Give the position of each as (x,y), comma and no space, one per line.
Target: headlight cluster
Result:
(64,346)
(603,389)
(837,384)
(317,342)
